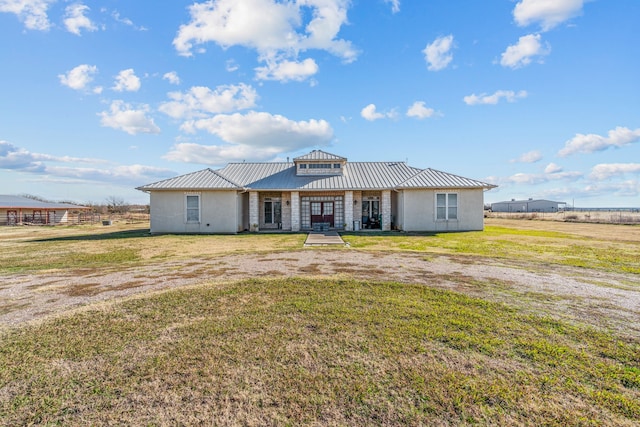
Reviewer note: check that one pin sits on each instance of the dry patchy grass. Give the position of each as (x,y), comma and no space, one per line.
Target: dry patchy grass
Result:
(316,352)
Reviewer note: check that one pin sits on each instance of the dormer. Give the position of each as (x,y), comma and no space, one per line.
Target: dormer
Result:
(318,162)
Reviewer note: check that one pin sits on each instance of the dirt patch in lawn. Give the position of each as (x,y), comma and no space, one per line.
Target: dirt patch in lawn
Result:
(601,299)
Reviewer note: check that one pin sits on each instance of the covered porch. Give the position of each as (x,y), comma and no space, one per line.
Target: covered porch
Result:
(320,210)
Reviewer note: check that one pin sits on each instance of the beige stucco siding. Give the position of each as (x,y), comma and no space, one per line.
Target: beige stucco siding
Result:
(219,212)
(418,211)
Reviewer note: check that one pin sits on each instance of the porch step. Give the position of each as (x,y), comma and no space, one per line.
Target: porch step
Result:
(321,226)
(324,238)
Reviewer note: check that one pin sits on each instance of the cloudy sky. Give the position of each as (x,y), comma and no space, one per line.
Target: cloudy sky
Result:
(541,97)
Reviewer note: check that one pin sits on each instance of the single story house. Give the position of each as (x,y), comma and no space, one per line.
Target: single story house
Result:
(318,190)
(16,210)
(529,205)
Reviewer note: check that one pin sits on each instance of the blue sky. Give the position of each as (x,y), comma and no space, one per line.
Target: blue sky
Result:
(541,97)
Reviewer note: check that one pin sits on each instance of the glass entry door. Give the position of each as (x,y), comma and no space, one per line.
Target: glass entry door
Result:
(371,212)
(322,212)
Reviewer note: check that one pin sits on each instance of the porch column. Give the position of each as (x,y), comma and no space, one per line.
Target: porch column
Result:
(295,211)
(348,210)
(386,210)
(254,211)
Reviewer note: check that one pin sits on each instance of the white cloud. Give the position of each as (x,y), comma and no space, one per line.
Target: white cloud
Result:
(529,157)
(172,77)
(369,113)
(608,170)
(75,19)
(231,66)
(484,99)
(127,80)
(395,5)
(126,21)
(438,54)
(293,27)
(618,137)
(264,130)
(123,174)
(629,188)
(537,178)
(79,77)
(123,117)
(17,158)
(420,111)
(200,101)
(253,136)
(552,168)
(549,13)
(32,12)
(220,154)
(287,70)
(522,53)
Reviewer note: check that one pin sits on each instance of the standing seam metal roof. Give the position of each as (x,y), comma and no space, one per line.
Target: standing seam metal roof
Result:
(203,179)
(431,178)
(282,176)
(16,202)
(319,155)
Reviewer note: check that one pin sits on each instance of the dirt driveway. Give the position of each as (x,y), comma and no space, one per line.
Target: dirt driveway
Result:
(586,296)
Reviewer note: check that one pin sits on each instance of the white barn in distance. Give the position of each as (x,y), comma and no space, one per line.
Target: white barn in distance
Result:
(529,205)
(318,190)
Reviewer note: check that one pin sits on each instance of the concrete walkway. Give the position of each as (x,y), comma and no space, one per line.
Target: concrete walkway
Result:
(323,238)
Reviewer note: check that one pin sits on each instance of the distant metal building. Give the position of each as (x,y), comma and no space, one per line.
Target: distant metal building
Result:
(529,205)
(16,210)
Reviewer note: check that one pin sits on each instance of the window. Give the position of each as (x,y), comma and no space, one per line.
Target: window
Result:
(303,165)
(193,208)
(319,165)
(272,211)
(446,206)
(336,165)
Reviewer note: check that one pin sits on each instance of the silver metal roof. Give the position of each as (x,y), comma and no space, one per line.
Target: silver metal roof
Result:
(319,155)
(282,176)
(205,179)
(431,178)
(20,202)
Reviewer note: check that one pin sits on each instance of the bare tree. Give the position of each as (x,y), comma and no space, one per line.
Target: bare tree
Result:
(116,204)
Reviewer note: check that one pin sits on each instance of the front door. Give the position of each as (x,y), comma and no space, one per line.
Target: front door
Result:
(322,212)
(371,213)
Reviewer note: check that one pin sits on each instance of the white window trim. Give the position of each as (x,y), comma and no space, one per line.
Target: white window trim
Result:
(186,215)
(446,206)
(273,213)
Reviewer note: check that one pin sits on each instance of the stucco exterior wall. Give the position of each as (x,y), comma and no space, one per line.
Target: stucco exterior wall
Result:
(218,212)
(399,215)
(419,211)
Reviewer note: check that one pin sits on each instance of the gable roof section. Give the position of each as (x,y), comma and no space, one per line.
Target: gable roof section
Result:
(282,176)
(319,155)
(205,179)
(15,202)
(431,178)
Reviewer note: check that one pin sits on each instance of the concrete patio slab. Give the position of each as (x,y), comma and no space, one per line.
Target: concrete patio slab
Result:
(323,238)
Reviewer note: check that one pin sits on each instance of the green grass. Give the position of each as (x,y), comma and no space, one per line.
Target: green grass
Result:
(82,248)
(91,247)
(316,352)
(540,246)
